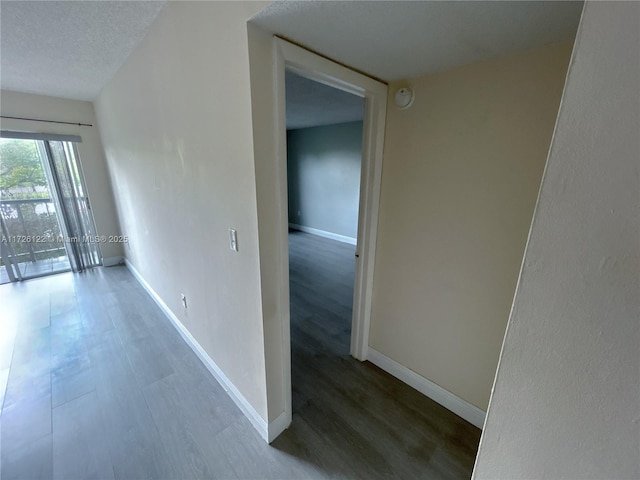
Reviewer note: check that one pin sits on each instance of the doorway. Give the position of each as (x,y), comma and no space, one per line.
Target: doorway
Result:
(294,59)
(324,167)
(46,225)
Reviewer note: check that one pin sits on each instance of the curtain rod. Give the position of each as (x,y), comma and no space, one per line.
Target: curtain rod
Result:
(48,121)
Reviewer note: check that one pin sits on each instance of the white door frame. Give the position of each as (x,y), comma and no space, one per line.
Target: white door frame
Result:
(314,67)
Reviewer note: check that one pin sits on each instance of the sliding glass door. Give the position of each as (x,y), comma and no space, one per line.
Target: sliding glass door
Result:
(65,175)
(46,224)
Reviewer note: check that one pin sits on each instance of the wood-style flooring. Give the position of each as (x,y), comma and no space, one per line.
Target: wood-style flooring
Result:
(96,383)
(364,423)
(38,268)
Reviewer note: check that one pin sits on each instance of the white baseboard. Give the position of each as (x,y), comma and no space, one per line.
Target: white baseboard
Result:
(460,407)
(266,431)
(111,261)
(322,233)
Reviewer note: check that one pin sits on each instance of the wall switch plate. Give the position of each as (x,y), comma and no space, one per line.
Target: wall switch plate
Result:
(233,239)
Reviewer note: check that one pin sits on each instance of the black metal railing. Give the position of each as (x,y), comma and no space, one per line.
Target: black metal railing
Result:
(32,229)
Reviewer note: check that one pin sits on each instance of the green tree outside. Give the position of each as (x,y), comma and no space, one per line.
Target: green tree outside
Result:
(20,167)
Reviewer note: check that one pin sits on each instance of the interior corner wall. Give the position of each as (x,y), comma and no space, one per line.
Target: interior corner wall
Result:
(567,391)
(461,173)
(177,131)
(323,172)
(90,150)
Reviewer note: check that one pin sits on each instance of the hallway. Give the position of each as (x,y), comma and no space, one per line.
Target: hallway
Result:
(367,423)
(95,382)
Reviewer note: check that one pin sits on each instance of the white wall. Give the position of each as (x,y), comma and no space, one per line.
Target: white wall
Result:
(176,125)
(323,176)
(90,150)
(566,401)
(269,178)
(461,172)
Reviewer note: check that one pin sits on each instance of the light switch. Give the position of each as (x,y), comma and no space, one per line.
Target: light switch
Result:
(233,239)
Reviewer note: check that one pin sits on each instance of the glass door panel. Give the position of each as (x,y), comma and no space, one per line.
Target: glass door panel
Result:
(31,233)
(66,174)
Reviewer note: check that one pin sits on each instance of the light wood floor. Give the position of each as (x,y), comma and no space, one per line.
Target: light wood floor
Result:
(39,268)
(96,383)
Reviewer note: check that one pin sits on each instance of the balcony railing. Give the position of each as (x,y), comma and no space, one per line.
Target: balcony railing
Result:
(32,229)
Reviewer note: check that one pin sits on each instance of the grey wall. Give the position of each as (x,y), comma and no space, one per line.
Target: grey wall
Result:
(323,170)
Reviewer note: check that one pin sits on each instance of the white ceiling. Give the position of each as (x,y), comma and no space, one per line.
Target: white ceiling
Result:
(311,104)
(72,49)
(399,39)
(69,49)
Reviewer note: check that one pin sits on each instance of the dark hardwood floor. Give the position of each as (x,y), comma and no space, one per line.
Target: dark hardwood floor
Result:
(363,422)
(96,383)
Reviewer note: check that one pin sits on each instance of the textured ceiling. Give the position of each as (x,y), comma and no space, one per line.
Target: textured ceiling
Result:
(68,49)
(72,49)
(310,104)
(398,39)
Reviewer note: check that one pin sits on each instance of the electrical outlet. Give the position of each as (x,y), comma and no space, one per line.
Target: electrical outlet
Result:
(184,300)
